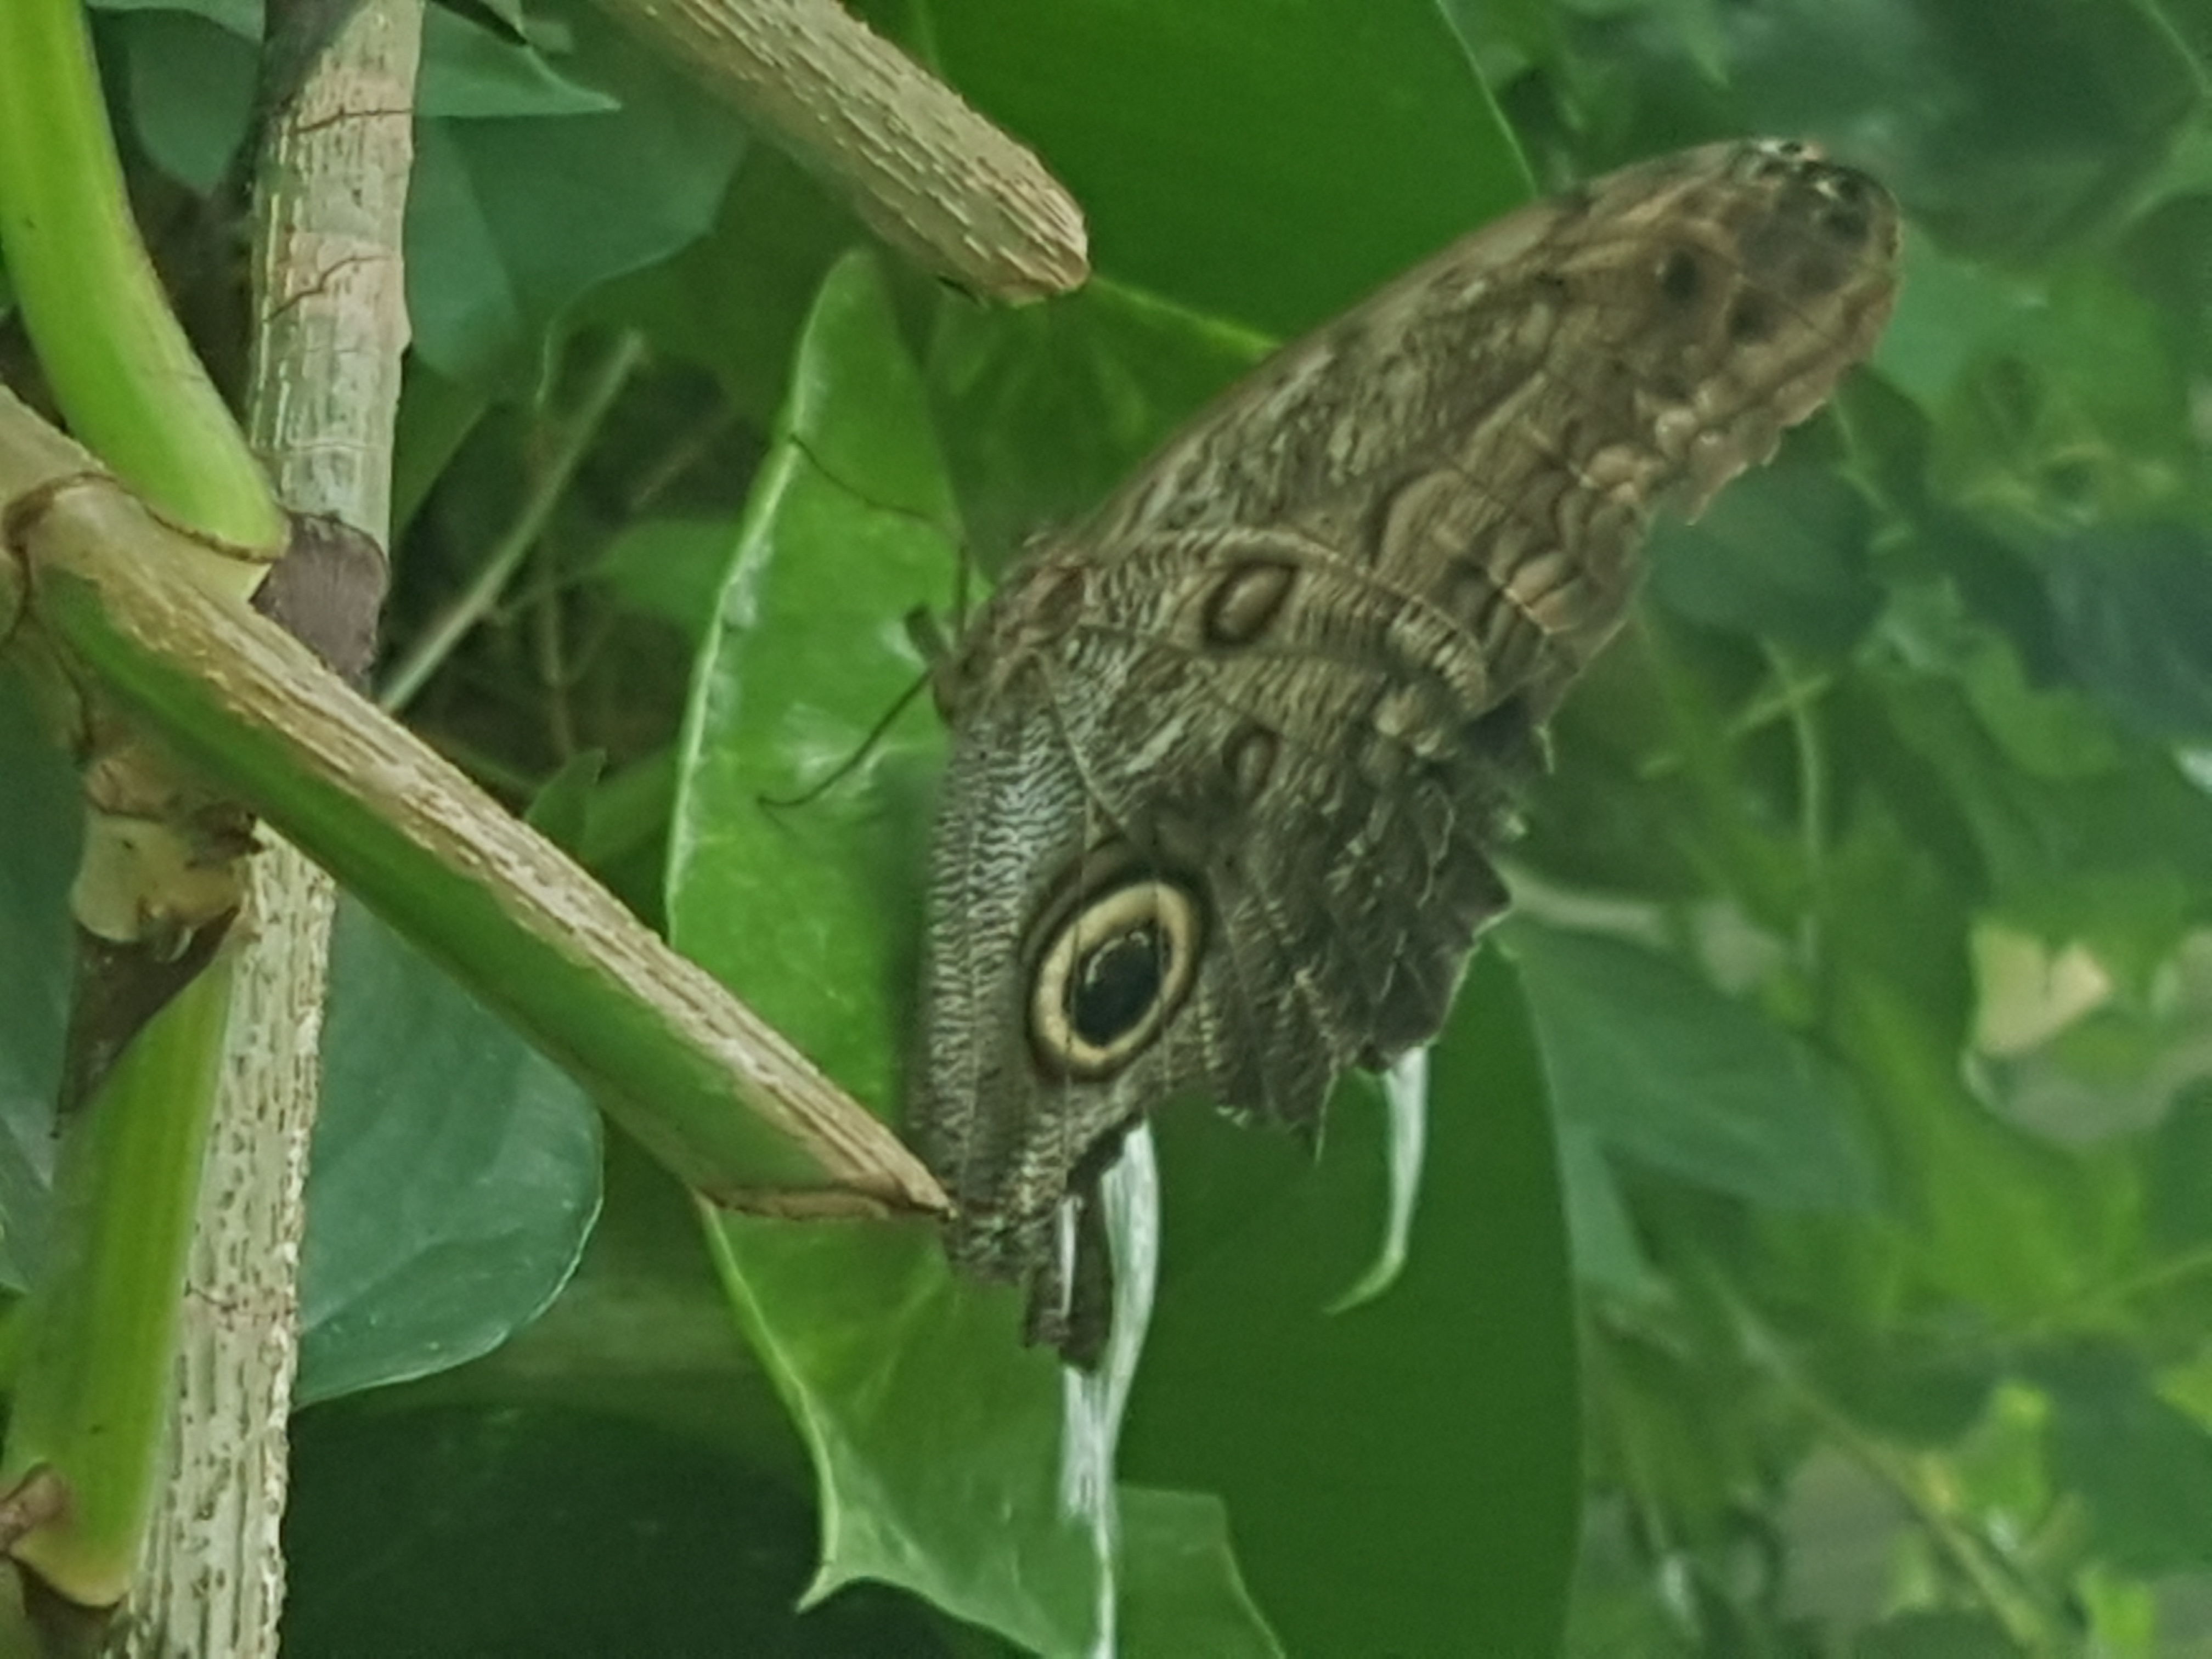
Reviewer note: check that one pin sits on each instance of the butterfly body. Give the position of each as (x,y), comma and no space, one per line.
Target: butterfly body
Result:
(1230,756)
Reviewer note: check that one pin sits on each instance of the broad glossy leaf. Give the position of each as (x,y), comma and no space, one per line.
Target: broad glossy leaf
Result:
(454,1179)
(671,569)
(1215,149)
(1046,408)
(240,17)
(936,1436)
(1183,1595)
(190,87)
(470,73)
(455,1173)
(560,810)
(1401,1477)
(1950,310)
(735,301)
(1605,1253)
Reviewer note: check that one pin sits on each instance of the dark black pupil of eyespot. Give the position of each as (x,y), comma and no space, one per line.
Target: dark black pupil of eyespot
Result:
(1116,984)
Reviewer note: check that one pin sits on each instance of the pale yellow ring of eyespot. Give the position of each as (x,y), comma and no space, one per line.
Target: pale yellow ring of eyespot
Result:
(1162,902)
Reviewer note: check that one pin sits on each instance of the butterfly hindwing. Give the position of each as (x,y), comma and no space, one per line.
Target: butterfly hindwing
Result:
(1229,759)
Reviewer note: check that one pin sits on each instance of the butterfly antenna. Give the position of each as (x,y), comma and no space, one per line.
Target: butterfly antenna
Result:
(928,637)
(929,521)
(851,763)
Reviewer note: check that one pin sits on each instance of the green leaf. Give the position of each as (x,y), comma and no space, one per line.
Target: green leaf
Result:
(560,810)
(642,1331)
(1046,408)
(2134,619)
(936,1436)
(2078,411)
(470,74)
(1217,158)
(456,1174)
(670,569)
(2144,1468)
(494,259)
(1667,1071)
(40,823)
(1183,1593)
(1989,1216)
(192,65)
(2076,832)
(2009,149)
(240,17)
(1950,312)
(191,89)
(735,299)
(1400,1478)
(1935,1635)
(1606,1252)
(2177,1173)
(1782,556)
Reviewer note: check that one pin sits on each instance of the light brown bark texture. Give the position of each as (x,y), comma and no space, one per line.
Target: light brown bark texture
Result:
(928,174)
(330,326)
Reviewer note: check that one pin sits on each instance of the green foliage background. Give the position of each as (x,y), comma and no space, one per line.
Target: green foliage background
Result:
(1815,1215)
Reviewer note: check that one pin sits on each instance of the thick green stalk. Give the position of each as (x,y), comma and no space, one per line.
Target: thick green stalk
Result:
(91,1402)
(109,346)
(93,1398)
(718,1096)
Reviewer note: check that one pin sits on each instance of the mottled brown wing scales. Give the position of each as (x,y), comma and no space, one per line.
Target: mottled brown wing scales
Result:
(1229,760)
(1480,570)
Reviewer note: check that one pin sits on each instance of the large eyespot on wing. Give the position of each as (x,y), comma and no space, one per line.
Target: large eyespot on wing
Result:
(1112,973)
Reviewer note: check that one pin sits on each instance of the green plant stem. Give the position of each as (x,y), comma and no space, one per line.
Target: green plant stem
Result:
(111,348)
(1798,694)
(91,1403)
(721,1098)
(549,483)
(1916,1482)
(93,1399)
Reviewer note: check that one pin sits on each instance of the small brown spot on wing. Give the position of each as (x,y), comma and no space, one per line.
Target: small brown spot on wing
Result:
(1680,277)
(1750,320)
(1058,602)
(1246,601)
(1249,757)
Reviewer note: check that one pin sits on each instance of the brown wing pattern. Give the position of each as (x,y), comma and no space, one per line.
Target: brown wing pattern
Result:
(1228,758)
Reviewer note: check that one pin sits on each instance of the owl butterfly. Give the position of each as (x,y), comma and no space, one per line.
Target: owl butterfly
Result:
(1228,758)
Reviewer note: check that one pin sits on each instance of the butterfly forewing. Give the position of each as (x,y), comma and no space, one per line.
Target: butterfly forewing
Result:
(1228,758)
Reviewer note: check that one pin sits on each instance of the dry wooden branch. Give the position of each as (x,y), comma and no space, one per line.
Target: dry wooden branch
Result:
(926,172)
